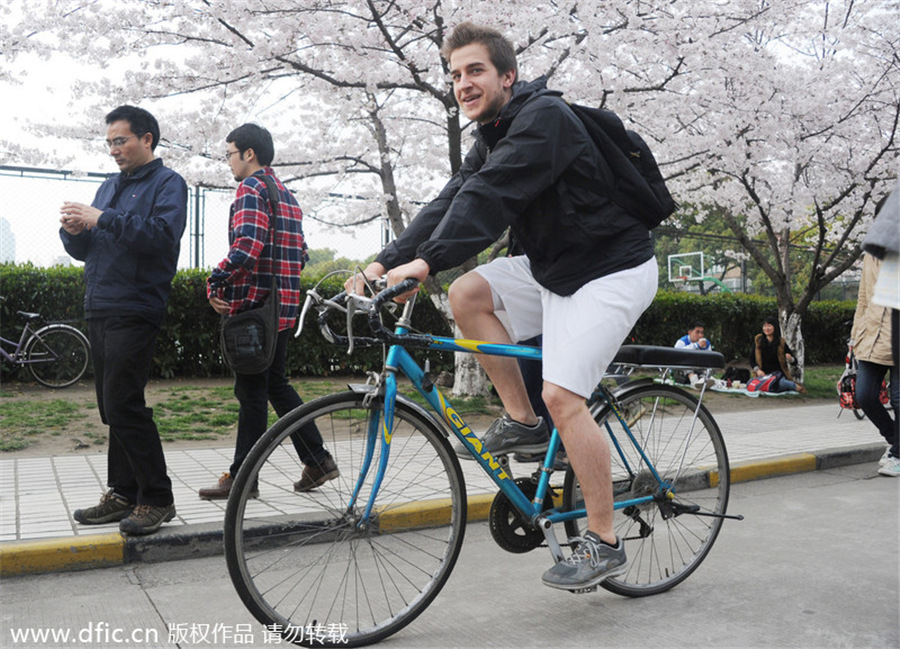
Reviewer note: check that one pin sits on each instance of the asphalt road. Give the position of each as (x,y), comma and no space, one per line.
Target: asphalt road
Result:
(814,564)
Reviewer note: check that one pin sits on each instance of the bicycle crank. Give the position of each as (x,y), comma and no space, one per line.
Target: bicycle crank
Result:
(510,531)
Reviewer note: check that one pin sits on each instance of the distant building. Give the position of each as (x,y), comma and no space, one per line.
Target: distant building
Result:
(7,242)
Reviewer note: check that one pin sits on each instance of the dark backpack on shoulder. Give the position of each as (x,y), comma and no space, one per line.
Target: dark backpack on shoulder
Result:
(640,188)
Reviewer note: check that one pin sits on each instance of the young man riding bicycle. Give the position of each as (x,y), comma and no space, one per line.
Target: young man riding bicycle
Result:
(587,274)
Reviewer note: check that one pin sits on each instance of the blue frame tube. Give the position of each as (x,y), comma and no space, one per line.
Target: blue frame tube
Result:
(399,359)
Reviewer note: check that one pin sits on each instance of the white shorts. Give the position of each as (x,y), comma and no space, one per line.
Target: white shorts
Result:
(583,331)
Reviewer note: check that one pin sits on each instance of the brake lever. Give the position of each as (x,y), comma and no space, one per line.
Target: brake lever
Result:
(351,309)
(306,305)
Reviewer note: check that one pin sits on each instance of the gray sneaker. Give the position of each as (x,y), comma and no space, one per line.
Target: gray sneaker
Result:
(146,519)
(506,435)
(591,562)
(560,464)
(112,507)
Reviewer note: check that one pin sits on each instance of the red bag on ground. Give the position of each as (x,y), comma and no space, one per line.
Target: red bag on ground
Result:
(762,383)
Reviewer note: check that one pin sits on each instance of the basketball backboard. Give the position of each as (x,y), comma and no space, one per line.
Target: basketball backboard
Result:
(686,266)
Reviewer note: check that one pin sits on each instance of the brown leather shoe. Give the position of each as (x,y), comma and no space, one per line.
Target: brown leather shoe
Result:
(221,489)
(315,475)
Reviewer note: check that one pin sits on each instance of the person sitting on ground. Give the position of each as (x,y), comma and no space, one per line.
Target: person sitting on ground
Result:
(771,354)
(695,338)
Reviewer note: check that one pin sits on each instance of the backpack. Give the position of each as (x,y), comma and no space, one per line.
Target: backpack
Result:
(640,188)
(847,390)
(739,374)
(764,383)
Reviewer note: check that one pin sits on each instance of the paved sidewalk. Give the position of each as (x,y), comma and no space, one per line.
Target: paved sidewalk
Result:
(38,495)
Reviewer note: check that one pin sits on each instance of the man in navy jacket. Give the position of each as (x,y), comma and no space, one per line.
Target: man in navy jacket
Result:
(586,275)
(129,239)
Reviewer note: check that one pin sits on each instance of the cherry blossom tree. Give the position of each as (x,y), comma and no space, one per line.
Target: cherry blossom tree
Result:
(782,116)
(799,115)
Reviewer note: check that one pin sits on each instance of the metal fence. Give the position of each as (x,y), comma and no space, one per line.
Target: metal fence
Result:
(29,220)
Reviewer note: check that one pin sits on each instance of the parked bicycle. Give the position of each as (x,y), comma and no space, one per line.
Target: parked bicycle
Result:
(56,354)
(356,560)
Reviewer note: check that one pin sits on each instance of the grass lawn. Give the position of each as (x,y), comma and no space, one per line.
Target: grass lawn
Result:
(188,412)
(181,412)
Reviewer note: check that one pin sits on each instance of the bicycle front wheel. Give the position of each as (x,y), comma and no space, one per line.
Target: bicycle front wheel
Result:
(311,565)
(668,538)
(57,355)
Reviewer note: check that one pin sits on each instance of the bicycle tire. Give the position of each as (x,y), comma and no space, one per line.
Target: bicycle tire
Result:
(662,552)
(57,355)
(859,414)
(300,559)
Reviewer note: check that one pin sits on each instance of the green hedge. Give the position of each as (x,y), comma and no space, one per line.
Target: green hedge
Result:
(188,345)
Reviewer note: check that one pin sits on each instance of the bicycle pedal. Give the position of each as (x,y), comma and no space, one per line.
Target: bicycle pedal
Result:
(583,591)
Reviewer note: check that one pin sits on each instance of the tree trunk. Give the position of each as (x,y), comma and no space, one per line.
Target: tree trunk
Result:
(469,380)
(386,172)
(791,330)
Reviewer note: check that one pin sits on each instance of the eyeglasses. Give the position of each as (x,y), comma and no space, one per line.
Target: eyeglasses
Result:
(228,155)
(117,142)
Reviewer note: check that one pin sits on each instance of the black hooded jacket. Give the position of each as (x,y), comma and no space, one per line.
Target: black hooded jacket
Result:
(535,170)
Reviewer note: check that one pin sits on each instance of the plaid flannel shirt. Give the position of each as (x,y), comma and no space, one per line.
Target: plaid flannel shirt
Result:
(244,277)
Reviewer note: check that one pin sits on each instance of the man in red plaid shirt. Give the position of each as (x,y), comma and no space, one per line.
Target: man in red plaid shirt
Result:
(242,281)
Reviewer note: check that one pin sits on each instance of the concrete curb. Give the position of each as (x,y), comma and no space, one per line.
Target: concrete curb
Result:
(56,555)
(195,541)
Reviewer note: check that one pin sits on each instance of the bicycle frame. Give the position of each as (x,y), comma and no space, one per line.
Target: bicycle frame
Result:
(6,355)
(27,334)
(379,542)
(398,359)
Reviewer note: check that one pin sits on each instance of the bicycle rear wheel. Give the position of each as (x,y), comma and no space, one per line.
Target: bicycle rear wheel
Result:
(665,540)
(57,355)
(307,564)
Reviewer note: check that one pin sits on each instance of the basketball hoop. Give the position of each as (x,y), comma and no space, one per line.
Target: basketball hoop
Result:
(685,267)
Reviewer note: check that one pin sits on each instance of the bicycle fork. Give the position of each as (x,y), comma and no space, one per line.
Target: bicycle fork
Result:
(379,427)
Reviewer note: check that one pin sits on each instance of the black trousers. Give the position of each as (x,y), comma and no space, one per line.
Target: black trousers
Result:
(532,375)
(122,351)
(254,392)
(868,391)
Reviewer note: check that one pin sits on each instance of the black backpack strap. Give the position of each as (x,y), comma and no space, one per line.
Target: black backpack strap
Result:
(272,191)
(272,195)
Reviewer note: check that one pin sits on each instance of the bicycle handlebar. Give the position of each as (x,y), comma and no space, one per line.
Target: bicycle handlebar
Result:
(379,301)
(351,305)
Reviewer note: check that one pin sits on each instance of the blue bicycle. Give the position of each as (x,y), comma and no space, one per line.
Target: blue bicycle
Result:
(359,558)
